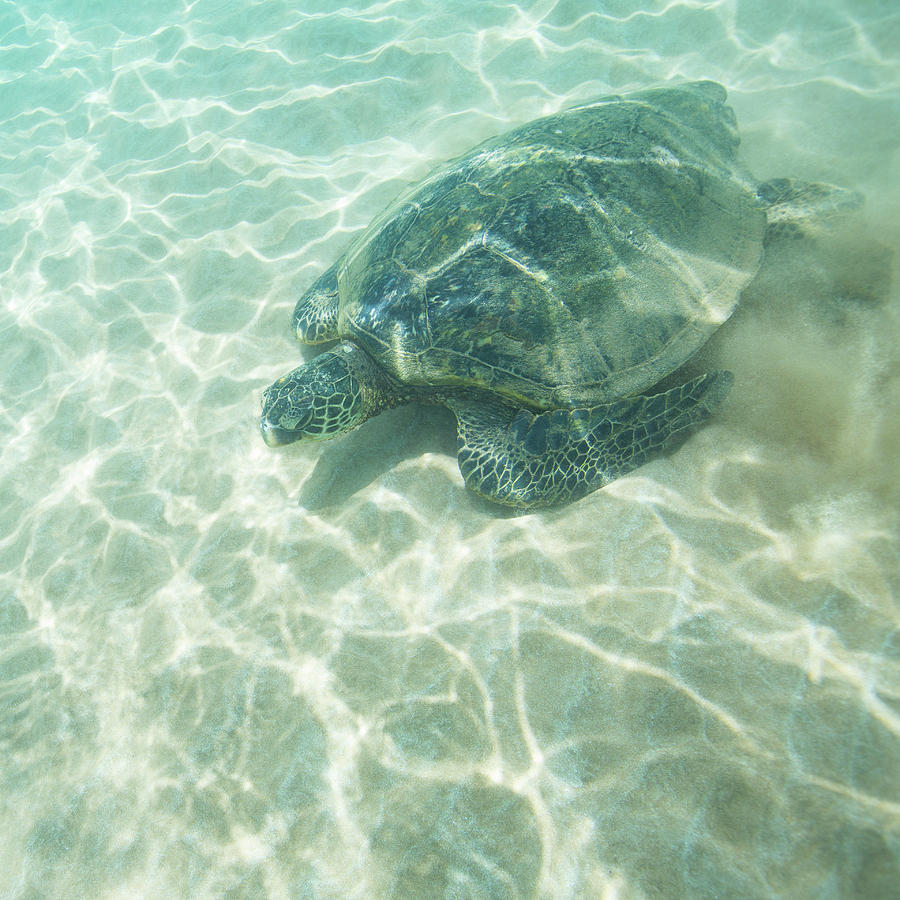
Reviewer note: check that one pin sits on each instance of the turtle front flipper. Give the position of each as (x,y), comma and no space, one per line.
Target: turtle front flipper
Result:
(520,459)
(316,313)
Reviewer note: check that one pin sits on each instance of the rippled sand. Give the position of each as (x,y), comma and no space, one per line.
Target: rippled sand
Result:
(331,672)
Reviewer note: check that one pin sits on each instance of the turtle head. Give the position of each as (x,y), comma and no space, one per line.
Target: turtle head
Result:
(332,393)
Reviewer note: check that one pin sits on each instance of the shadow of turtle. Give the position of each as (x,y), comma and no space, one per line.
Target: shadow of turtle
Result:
(366,454)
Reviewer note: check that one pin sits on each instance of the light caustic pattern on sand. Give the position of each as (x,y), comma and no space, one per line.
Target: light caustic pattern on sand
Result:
(329,671)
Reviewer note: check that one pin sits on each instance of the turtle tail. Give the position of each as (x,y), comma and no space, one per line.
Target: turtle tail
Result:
(794,208)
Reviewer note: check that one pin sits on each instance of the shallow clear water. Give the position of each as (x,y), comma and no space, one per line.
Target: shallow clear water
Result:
(331,672)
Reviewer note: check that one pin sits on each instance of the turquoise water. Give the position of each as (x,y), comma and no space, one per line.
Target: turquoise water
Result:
(329,671)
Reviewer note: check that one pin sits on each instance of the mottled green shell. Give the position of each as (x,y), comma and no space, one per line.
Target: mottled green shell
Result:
(571,261)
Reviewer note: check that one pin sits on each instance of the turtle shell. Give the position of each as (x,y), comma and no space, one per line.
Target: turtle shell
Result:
(574,260)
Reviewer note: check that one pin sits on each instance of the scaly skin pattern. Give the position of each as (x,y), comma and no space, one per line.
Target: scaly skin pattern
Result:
(332,393)
(316,315)
(524,460)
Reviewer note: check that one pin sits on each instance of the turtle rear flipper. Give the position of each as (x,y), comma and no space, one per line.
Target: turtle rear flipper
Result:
(797,208)
(315,317)
(524,460)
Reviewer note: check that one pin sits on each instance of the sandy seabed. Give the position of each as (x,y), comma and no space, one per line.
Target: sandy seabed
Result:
(331,672)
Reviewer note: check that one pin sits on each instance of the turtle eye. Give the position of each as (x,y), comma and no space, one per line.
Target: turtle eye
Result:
(283,421)
(291,421)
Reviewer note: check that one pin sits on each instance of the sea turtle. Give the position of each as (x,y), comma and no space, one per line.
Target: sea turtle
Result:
(540,285)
